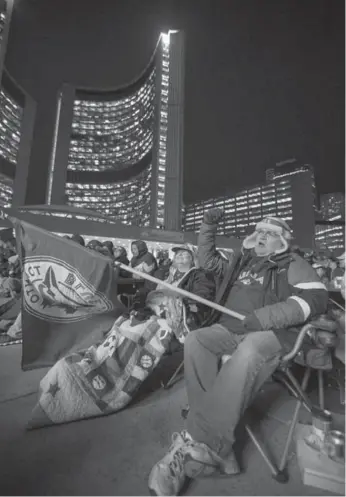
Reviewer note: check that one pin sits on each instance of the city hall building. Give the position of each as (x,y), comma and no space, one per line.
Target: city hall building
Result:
(120,152)
(17,117)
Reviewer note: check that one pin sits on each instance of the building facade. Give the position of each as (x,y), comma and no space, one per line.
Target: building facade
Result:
(17,116)
(120,152)
(6,7)
(330,224)
(289,194)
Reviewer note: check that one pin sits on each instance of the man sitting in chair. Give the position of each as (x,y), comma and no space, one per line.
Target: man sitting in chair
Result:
(275,290)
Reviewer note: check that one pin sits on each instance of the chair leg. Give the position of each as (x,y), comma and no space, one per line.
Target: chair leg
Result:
(300,391)
(280,476)
(320,388)
(300,402)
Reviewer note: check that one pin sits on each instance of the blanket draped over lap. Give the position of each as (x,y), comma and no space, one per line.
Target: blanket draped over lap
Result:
(105,377)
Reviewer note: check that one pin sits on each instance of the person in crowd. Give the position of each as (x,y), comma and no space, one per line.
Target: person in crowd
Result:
(120,255)
(184,273)
(10,293)
(320,270)
(93,244)
(78,239)
(164,263)
(11,284)
(109,245)
(142,259)
(276,291)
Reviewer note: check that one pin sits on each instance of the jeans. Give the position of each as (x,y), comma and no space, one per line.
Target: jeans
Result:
(219,396)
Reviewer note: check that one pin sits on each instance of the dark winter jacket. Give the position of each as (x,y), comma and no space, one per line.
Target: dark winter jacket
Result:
(281,291)
(201,283)
(144,261)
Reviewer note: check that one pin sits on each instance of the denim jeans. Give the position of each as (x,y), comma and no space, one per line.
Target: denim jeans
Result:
(218,396)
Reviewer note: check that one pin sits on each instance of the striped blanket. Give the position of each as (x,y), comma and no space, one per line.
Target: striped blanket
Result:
(105,377)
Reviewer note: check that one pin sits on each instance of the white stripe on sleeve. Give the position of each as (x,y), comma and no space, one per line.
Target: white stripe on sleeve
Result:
(312,285)
(304,306)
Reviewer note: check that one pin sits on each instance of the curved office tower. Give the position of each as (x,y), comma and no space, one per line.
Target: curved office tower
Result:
(17,115)
(120,152)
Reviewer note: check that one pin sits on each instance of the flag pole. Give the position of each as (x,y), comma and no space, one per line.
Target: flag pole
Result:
(182,292)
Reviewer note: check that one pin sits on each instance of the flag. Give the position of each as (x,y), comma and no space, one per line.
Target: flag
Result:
(69,296)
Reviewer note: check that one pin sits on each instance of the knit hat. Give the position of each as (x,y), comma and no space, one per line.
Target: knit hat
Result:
(275,224)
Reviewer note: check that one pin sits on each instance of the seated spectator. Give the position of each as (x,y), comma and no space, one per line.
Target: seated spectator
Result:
(276,291)
(164,263)
(142,259)
(78,239)
(184,260)
(184,274)
(93,244)
(109,245)
(320,270)
(99,247)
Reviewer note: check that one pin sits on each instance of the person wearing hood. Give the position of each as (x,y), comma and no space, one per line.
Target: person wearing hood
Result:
(142,259)
(277,291)
(78,239)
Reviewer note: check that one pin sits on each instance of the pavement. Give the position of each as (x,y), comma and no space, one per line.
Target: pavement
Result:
(113,455)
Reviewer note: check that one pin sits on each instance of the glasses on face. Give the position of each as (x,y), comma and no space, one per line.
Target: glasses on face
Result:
(268,234)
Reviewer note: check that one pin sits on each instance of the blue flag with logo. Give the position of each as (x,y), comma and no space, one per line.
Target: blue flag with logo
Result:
(69,296)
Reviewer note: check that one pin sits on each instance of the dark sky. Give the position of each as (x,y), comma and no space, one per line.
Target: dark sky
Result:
(264,79)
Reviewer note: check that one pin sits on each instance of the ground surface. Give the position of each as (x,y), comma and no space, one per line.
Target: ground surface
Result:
(113,455)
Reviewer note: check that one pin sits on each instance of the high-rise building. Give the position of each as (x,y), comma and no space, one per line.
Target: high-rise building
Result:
(120,152)
(330,225)
(17,115)
(6,7)
(290,194)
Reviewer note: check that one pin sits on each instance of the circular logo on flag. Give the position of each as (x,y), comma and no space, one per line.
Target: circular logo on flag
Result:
(146,362)
(98,382)
(55,291)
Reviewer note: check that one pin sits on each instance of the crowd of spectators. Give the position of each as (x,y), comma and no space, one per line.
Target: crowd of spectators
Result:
(10,284)
(329,267)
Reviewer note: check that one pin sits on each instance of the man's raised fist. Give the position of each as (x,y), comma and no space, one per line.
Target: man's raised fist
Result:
(213,216)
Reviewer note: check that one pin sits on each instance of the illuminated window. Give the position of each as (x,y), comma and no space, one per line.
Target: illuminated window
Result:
(11,115)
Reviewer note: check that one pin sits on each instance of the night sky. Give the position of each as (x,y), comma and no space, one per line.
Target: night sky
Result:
(264,79)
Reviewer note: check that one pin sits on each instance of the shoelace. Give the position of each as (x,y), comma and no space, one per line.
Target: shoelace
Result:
(176,466)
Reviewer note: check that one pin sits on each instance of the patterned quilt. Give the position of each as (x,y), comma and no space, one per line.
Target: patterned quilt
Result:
(105,377)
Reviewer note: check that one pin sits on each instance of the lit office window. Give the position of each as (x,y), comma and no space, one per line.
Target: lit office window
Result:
(127,202)
(6,191)
(112,135)
(11,115)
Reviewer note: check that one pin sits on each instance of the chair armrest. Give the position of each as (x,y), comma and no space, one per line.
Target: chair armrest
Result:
(298,343)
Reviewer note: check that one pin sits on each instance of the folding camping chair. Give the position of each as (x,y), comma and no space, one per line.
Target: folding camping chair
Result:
(323,335)
(178,373)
